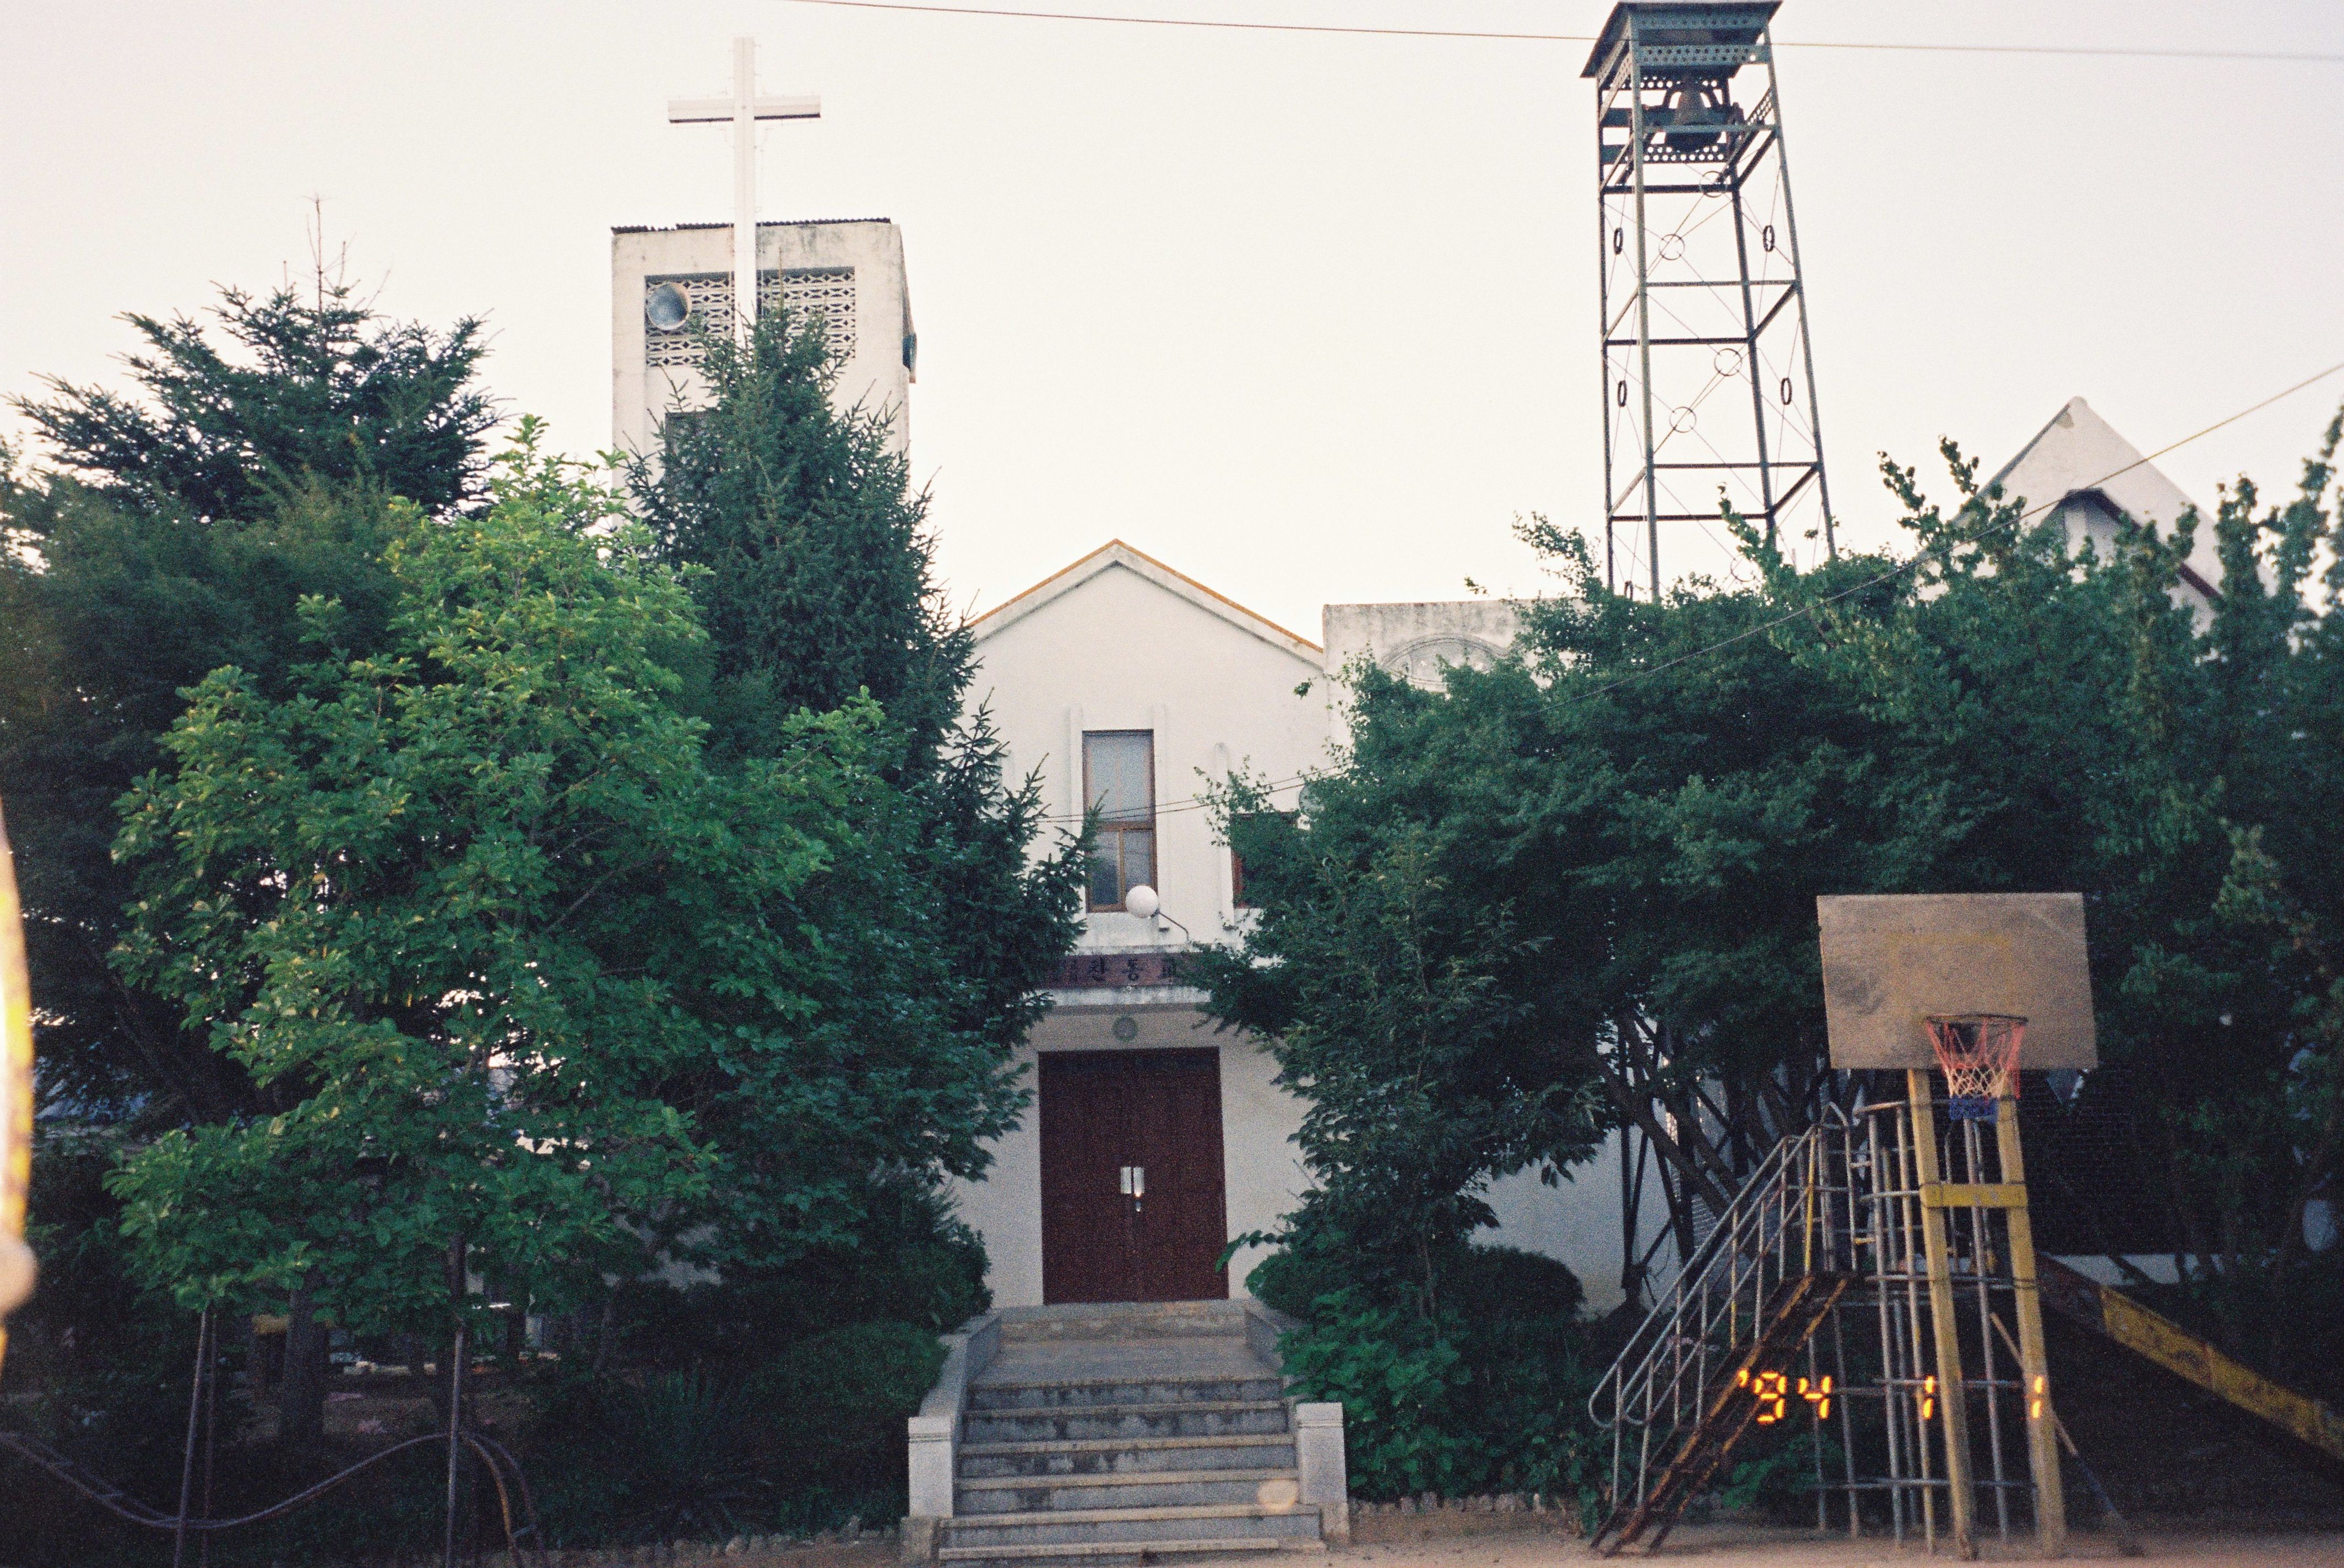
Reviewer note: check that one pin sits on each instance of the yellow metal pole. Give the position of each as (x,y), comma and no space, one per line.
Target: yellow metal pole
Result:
(15,1096)
(1952,1406)
(2042,1423)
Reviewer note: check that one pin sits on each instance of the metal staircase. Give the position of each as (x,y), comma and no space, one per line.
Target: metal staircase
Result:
(1688,1383)
(1808,1308)
(1729,1409)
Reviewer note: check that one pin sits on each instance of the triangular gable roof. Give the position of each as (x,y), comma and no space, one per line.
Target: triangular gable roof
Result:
(2079,452)
(1115,554)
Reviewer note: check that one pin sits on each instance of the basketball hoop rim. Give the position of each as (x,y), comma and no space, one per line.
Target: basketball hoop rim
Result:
(1979,1060)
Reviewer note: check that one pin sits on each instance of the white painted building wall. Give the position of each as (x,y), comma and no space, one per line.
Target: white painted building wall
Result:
(2090,479)
(1120,642)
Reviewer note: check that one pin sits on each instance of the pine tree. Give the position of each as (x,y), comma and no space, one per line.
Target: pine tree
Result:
(821,567)
(819,587)
(174,532)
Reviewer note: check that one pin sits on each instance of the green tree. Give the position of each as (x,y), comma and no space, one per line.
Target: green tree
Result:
(820,581)
(1647,799)
(320,387)
(438,898)
(814,570)
(255,463)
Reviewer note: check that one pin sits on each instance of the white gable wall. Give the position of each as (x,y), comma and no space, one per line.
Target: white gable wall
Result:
(1119,642)
(2088,477)
(1118,650)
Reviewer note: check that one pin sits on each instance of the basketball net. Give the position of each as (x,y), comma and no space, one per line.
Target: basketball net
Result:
(1978,1053)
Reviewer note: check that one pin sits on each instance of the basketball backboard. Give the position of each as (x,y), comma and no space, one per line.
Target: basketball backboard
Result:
(1893,960)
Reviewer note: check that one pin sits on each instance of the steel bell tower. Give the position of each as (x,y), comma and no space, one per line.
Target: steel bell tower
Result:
(1708,377)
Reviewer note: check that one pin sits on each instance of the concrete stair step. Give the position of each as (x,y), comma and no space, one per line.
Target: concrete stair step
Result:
(1135,1489)
(1118,1455)
(1135,1389)
(1193,1418)
(1140,1525)
(1126,1320)
(1120,1554)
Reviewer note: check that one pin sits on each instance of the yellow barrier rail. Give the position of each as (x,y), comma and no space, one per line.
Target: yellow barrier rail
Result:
(2161,1340)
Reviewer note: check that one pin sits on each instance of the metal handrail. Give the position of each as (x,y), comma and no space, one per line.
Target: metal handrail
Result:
(1739,1236)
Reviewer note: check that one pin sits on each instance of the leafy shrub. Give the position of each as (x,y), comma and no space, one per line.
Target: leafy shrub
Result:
(806,1440)
(1506,1282)
(911,1260)
(1776,1481)
(837,1404)
(1403,1390)
(1486,1393)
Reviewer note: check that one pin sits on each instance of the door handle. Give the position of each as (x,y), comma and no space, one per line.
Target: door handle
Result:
(1135,1180)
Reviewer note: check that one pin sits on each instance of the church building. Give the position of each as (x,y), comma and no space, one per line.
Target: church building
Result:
(1155,1138)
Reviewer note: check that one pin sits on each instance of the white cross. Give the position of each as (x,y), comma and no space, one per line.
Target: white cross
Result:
(742,110)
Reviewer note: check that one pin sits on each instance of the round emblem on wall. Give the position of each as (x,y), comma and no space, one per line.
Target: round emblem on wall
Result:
(667,308)
(1421,662)
(1127,1029)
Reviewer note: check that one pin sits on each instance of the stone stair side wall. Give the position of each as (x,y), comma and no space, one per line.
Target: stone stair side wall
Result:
(934,1434)
(1317,1430)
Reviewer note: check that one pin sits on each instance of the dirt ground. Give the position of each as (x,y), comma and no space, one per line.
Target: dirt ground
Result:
(1747,1546)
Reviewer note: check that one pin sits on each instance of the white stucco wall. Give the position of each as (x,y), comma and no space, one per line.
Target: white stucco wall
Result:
(1578,1221)
(2083,473)
(1417,640)
(878,375)
(1120,642)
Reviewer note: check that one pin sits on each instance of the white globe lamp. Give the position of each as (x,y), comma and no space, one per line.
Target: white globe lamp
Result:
(1142,901)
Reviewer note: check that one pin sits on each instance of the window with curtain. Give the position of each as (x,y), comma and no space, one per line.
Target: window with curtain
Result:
(1238,895)
(1119,784)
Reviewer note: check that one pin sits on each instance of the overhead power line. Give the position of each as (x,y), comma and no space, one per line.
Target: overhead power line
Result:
(1213,24)
(1807,611)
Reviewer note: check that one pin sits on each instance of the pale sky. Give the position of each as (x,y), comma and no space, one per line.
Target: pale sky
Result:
(1311,318)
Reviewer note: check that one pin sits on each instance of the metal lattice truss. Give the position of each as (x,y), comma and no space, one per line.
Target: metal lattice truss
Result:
(1707,376)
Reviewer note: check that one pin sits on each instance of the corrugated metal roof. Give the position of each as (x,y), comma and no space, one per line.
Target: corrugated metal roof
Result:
(761,223)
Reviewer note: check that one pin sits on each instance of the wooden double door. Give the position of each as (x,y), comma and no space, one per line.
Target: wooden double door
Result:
(1132,1204)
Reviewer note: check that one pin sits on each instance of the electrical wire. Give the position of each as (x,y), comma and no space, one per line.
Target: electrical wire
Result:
(1197,803)
(2286,57)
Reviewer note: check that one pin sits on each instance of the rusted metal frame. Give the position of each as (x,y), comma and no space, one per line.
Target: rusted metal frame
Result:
(1604,316)
(1912,1277)
(1953,1407)
(2152,1335)
(1979,1240)
(1750,364)
(1674,343)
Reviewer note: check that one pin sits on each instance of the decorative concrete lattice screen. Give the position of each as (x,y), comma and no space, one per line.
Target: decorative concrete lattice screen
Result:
(804,292)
